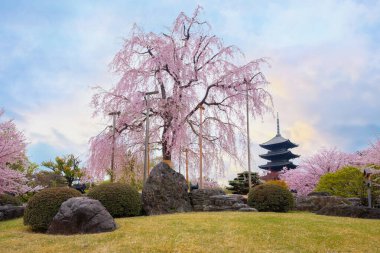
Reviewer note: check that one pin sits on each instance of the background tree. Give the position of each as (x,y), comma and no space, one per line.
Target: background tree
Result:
(49,179)
(67,166)
(370,156)
(191,68)
(346,182)
(25,166)
(240,184)
(131,172)
(305,177)
(12,151)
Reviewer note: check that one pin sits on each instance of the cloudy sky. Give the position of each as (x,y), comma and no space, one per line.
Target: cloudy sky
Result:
(324,65)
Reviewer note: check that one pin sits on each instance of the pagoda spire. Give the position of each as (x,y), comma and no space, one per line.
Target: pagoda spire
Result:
(278,125)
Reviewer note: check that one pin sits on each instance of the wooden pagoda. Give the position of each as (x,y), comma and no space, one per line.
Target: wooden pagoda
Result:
(278,154)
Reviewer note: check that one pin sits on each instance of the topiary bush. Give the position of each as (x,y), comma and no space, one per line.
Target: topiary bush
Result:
(44,205)
(6,199)
(121,200)
(270,198)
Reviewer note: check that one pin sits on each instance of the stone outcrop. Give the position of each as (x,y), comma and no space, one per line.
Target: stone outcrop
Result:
(217,200)
(351,211)
(319,194)
(201,198)
(314,202)
(81,215)
(8,212)
(165,191)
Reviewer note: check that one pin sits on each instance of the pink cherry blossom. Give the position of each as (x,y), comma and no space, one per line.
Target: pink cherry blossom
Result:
(12,150)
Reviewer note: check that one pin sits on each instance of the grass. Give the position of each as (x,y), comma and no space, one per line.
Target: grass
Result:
(208,232)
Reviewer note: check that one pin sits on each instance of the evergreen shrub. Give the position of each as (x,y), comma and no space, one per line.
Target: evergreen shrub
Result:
(270,198)
(121,200)
(240,184)
(6,199)
(44,205)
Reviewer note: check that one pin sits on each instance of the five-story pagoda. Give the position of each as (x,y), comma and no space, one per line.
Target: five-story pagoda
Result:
(278,154)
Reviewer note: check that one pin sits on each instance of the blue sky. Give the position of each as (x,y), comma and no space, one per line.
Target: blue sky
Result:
(324,73)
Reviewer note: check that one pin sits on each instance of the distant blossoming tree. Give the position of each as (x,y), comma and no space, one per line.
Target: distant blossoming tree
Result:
(12,150)
(370,156)
(191,69)
(306,176)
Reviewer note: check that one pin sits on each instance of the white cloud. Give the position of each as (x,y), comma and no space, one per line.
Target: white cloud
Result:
(64,124)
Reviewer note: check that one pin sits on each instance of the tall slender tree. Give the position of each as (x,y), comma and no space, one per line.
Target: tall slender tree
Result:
(191,68)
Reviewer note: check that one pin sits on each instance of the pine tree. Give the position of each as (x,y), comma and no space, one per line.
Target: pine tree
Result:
(240,184)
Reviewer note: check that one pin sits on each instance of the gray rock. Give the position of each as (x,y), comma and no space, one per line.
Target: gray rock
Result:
(319,194)
(354,201)
(224,202)
(351,211)
(165,191)
(315,203)
(8,212)
(247,209)
(201,198)
(81,215)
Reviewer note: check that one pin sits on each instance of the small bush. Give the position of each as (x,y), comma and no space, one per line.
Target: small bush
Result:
(44,205)
(121,200)
(281,183)
(270,198)
(6,199)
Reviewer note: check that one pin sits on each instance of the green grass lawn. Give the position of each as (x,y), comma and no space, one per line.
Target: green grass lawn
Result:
(208,232)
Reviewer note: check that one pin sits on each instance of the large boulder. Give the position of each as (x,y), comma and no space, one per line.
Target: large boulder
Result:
(351,211)
(81,215)
(165,191)
(314,202)
(10,212)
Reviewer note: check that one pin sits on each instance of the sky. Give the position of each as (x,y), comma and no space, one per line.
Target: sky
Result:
(324,66)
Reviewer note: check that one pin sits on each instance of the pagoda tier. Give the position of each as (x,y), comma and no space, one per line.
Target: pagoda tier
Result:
(278,165)
(282,154)
(278,154)
(278,142)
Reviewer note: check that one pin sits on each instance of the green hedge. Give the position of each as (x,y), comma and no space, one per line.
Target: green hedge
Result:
(121,200)
(6,199)
(44,205)
(270,198)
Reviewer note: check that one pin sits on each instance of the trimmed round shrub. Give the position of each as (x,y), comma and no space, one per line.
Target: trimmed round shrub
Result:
(44,205)
(6,199)
(270,198)
(121,200)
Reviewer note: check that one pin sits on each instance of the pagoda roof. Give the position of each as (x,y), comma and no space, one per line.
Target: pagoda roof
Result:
(278,165)
(279,153)
(278,140)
